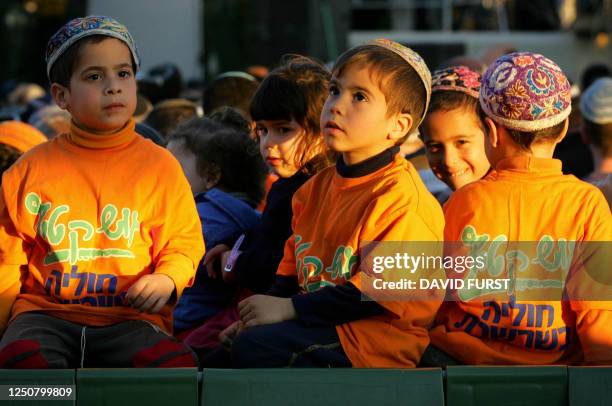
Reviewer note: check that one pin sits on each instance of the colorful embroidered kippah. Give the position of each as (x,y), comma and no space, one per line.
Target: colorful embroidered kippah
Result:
(456,78)
(596,102)
(526,92)
(83,27)
(414,60)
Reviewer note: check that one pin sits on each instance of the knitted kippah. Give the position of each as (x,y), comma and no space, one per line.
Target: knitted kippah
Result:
(526,92)
(456,78)
(596,102)
(415,61)
(83,27)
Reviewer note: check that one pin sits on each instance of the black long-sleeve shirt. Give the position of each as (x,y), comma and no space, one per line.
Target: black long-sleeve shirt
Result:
(263,247)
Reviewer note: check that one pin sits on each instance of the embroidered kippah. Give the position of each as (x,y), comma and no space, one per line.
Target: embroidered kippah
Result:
(414,60)
(83,27)
(526,92)
(456,78)
(596,102)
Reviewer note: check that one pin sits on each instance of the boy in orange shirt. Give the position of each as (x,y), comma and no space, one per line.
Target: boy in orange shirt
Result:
(527,203)
(92,268)
(315,315)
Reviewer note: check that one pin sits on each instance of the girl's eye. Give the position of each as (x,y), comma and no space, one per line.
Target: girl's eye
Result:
(93,76)
(261,132)
(360,97)
(462,143)
(125,74)
(284,130)
(333,91)
(433,148)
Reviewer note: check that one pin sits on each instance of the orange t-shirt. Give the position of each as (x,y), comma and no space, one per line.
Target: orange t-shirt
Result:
(84,216)
(332,216)
(527,199)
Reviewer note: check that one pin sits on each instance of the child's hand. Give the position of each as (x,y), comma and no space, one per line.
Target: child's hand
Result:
(227,336)
(151,292)
(262,309)
(214,257)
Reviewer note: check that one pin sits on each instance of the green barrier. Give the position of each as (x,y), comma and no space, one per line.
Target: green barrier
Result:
(296,387)
(590,386)
(506,386)
(38,378)
(138,386)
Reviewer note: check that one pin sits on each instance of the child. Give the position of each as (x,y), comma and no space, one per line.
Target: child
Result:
(226,174)
(286,109)
(596,107)
(526,99)
(315,316)
(453,131)
(99,234)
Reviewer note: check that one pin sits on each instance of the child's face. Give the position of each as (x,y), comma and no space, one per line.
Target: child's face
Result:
(102,94)
(354,118)
(454,141)
(188,162)
(278,141)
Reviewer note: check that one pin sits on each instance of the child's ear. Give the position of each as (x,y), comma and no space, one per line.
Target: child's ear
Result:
(212,176)
(59,93)
(563,132)
(491,132)
(403,123)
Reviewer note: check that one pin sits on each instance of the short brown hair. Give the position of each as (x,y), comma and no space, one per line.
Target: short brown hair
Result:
(402,86)
(525,139)
(447,100)
(221,148)
(600,135)
(62,69)
(297,90)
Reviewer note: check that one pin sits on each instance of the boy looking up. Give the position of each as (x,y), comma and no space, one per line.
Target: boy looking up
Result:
(315,315)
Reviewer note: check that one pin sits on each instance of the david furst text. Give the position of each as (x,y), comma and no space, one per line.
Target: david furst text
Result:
(455,284)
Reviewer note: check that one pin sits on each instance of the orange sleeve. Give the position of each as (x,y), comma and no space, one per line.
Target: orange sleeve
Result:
(179,235)
(287,264)
(13,254)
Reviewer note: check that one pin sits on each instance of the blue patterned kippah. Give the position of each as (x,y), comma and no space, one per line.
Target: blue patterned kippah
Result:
(83,27)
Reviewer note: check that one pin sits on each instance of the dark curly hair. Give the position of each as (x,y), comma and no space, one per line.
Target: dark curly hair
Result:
(226,151)
(232,118)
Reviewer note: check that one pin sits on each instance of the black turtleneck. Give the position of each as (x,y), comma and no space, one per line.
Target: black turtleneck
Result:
(368,166)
